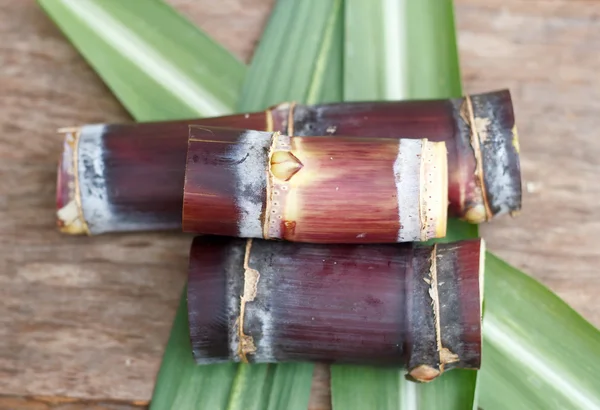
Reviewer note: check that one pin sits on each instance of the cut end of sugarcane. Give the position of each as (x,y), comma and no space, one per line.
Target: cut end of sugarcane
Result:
(445,321)
(69,221)
(434,193)
(496,145)
(69,217)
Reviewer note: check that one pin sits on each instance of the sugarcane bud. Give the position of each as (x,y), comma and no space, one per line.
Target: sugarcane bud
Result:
(284,165)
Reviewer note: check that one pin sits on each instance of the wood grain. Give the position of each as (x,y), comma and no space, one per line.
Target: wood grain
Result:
(65,403)
(79,317)
(542,51)
(89,317)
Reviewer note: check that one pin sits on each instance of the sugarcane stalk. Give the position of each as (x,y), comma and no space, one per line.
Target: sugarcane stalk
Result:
(127,177)
(255,184)
(405,305)
(142,166)
(479,131)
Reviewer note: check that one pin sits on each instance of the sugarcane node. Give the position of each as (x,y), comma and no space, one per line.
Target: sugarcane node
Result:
(290,118)
(447,357)
(289,228)
(435,300)
(499,148)
(476,140)
(251,277)
(284,165)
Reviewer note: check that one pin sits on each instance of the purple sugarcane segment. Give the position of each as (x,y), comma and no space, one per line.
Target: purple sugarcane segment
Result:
(127,177)
(417,307)
(256,184)
(479,131)
(130,177)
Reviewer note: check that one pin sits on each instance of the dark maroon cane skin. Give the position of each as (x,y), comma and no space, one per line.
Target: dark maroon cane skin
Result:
(437,120)
(345,191)
(145,162)
(146,166)
(360,304)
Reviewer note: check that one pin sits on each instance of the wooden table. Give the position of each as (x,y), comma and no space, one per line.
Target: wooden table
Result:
(84,321)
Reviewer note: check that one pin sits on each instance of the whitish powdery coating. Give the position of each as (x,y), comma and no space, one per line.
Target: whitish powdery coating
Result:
(92,183)
(407,175)
(251,181)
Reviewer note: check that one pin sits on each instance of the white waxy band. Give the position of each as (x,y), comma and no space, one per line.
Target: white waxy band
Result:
(95,206)
(407,175)
(251,177)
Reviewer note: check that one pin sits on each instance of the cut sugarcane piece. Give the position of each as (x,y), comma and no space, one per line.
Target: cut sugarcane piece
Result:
(414,306)
(141,166)
(255,184)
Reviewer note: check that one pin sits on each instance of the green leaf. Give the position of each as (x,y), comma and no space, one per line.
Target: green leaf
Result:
(402,49)
(538,352)
(184,385)
(159,65)
(363,387)
(355,387)
(298,57)
(271,387)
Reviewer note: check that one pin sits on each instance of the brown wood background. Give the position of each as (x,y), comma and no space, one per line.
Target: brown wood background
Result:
(84,321)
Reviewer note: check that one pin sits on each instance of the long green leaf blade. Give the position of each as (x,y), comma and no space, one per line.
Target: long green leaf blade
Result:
(353,387)
(297,56)
(250,384)
(538,352)
(402,49)
(291,389)
(183,385)
(327,80)
(158,64)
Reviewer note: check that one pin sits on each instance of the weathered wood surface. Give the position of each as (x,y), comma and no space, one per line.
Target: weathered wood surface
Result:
(65,403)
(89,317)
(542,50)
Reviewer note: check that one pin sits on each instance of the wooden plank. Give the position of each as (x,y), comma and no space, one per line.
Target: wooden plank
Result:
(64,403)
(89,317)
(79,317)
(543,51)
